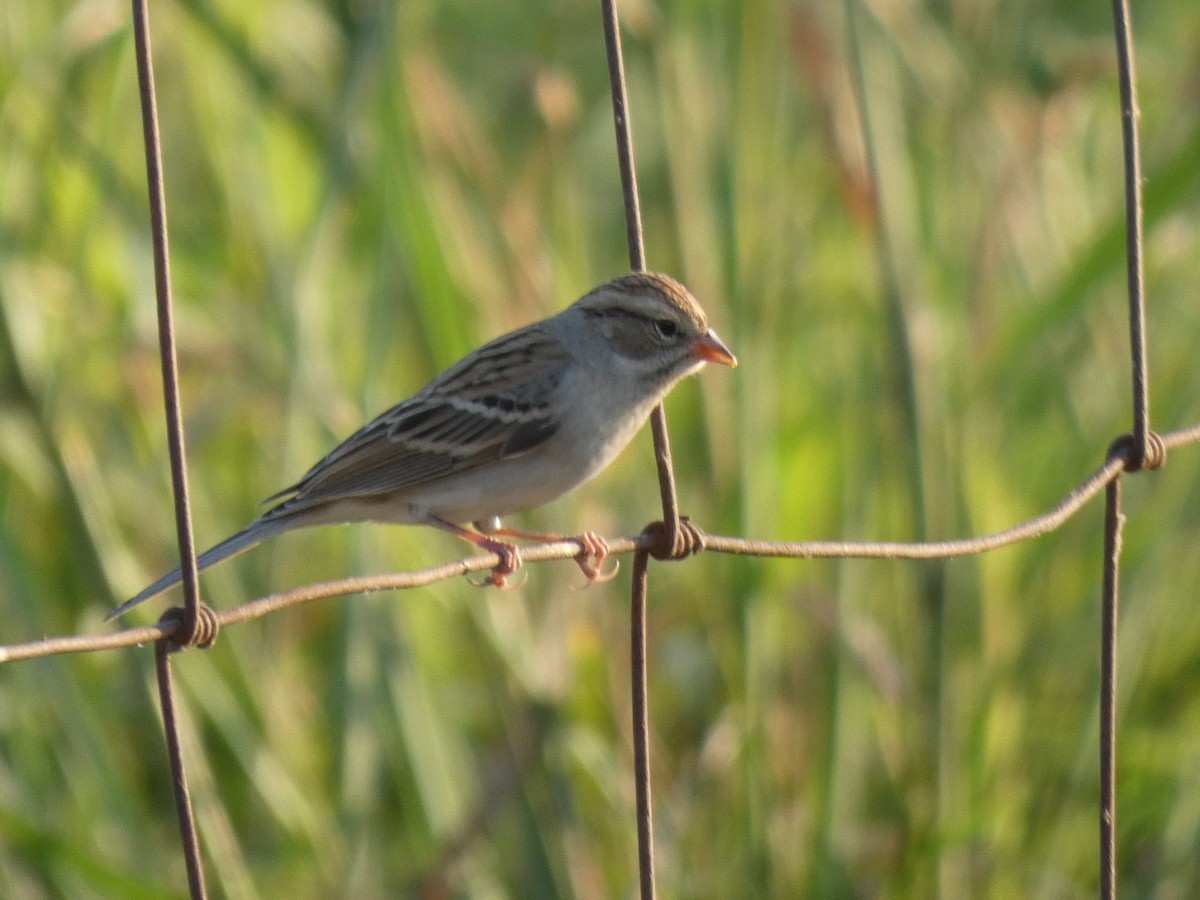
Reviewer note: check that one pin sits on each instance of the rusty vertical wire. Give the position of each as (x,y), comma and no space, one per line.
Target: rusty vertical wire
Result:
(641,725)
(1135,275)
(620,101)
(637,252)
(183,799)
(662,458)
(166,319)
(1113,520)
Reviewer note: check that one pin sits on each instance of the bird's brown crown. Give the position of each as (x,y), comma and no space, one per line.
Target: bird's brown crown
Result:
(643,293)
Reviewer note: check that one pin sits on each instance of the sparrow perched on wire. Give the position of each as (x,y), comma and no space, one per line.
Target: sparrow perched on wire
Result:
(515,424)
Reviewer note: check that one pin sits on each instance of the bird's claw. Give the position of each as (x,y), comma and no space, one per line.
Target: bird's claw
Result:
(591,559)
(510,562)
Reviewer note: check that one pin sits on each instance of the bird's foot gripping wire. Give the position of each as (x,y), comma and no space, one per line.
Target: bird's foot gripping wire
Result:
(510,562)
(593,549)
(591,560)
(509,554)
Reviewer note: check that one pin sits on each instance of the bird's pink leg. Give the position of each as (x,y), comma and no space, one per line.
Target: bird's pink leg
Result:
(510,555)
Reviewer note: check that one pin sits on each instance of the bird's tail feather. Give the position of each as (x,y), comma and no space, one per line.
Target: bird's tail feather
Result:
(252,535)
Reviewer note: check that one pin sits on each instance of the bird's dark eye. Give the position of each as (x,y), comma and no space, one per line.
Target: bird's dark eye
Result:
(667,329)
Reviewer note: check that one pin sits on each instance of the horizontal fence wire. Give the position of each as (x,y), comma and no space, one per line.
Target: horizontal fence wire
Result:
(674,537)
(571,549)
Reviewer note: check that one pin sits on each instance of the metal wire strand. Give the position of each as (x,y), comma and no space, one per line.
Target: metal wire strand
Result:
(166,318)
(1113,522)
(183,799)
(637,252)
(1135,275)
(641,725)
(650,541)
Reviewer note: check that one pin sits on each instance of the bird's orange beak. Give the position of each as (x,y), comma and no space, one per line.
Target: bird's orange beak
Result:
(710,348)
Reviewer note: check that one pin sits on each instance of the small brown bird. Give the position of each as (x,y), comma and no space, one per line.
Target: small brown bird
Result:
(515,424)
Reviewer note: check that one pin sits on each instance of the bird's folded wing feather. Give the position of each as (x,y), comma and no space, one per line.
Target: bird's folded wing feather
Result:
(494,404)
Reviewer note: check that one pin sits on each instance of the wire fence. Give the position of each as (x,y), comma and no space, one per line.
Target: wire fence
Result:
(674,537)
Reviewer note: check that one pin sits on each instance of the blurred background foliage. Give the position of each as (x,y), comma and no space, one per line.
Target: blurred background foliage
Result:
(361,191)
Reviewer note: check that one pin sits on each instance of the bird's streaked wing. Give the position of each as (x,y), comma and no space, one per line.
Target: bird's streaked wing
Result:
(493,404)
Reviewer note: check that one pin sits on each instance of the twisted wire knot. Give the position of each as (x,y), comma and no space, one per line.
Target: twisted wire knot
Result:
(203,635)
(688,539)
(1153,455)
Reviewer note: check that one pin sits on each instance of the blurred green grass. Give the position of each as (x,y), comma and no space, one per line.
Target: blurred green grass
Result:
(361,192)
